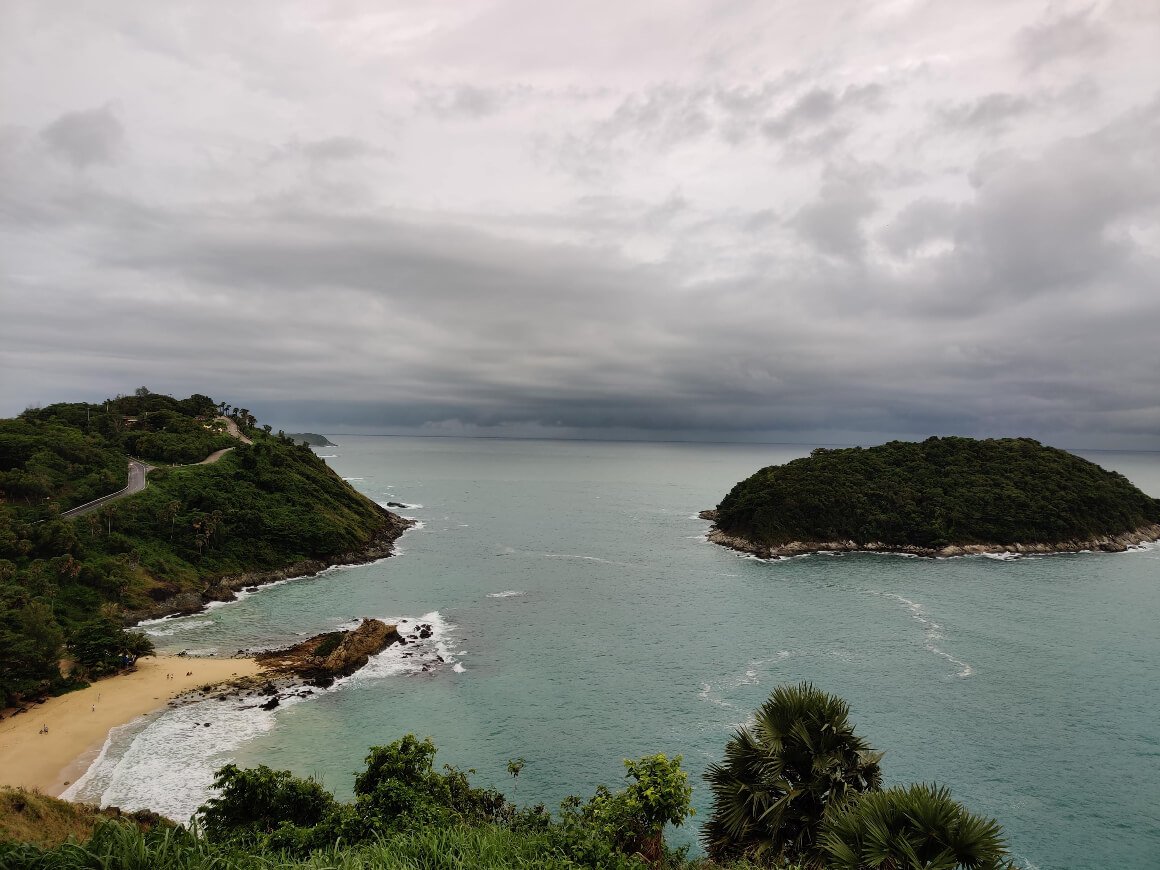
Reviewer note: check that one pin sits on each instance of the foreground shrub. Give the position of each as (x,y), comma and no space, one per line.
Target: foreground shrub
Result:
(916,827)
(779,778)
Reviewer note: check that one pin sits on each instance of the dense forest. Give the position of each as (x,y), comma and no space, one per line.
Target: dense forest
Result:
(797,789)
(67,583)
(934,493)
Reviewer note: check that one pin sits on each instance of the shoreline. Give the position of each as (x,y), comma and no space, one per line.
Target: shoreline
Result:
(79,722)
(380,547)
(1104,544)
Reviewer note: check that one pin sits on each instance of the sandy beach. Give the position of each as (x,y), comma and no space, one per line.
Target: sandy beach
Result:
(79,722)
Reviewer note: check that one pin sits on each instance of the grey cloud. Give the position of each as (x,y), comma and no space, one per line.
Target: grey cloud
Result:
(802,244)
(86,137)
(1061,36)
(833,222)
(464,100)
(988,112)
(918,223)
(820,105)
(335,148)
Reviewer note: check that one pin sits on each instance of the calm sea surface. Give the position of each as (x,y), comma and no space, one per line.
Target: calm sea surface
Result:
(581,619)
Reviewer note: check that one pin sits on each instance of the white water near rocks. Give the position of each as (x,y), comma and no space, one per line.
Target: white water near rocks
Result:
(584,619)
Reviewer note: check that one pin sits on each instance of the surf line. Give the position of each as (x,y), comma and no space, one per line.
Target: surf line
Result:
(932,631)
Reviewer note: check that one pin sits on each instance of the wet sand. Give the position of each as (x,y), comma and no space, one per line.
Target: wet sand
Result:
(79,722)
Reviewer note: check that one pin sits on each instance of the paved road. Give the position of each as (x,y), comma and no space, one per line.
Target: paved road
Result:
(137,482)
(138,471)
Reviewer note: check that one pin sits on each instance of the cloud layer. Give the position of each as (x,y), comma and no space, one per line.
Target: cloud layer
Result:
(798,221)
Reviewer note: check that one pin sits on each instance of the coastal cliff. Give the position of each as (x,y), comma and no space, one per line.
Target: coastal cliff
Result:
(225,588)
(938,498)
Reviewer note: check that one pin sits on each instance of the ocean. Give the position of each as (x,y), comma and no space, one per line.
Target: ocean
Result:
(579,617)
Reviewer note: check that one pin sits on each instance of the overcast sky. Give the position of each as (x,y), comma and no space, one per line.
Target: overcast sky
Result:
(798,221)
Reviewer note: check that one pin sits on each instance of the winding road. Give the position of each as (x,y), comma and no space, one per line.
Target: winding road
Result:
(137,482)
(138,472)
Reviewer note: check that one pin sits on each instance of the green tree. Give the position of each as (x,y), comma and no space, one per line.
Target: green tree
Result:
(100,646)
(30,646)
(257,801)
(633,819)
(800,759)
(915,827)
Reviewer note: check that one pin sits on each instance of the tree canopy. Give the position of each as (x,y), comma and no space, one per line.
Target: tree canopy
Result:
(934,493)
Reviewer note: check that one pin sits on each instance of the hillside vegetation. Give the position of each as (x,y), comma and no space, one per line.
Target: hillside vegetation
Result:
(66,584)
(34,818)
(940,492)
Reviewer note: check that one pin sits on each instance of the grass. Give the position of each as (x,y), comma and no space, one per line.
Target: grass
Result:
(43,821)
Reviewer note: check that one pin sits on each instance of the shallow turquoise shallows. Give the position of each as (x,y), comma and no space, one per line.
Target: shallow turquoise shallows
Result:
(581,618)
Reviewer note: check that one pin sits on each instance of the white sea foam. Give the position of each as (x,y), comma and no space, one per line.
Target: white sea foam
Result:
(328,455)
(418,655)
(354,478)
(932,631)
(751,676)
(184,625)
(507,593)
(166,761)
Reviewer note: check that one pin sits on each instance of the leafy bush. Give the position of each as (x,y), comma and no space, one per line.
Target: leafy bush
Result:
(258,801)
(632,820)
(100,646)
(916,827)
(780,777)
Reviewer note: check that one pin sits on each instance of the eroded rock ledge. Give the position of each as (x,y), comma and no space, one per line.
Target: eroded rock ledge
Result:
(1104,543)
(325,657)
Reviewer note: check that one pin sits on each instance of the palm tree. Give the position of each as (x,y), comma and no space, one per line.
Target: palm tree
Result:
(799,759)
(915,827)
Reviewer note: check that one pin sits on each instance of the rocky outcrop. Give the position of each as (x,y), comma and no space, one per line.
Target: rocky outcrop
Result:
(325,657)
(223,589)
(1104,543)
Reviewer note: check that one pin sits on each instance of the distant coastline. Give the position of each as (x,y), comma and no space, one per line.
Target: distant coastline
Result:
(311,438)
(1103,543)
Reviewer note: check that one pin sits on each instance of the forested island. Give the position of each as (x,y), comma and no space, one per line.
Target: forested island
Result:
(941,497)
(263,508)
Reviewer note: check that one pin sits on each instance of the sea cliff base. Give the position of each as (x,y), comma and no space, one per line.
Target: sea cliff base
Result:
(1104,543)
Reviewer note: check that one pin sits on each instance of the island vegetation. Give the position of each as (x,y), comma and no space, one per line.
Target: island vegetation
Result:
(266,508)
(943,496)
(797,790)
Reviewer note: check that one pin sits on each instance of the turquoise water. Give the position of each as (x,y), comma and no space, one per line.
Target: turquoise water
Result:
(582,619)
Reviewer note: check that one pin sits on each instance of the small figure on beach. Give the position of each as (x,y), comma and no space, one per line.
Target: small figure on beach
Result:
(43,729)
(94,708)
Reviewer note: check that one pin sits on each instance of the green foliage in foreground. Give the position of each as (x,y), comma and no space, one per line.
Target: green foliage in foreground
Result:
(917,827)
(783,774)
(400,792)
(937,492)
(261,507)
(818,805)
